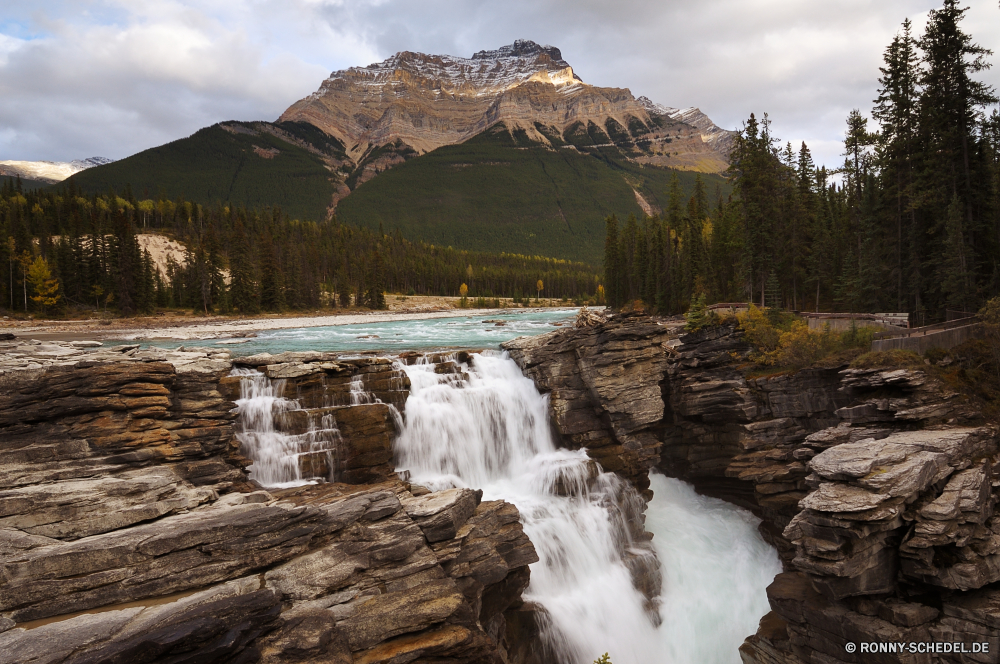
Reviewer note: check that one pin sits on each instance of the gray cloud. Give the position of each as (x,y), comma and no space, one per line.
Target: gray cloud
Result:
(130,75)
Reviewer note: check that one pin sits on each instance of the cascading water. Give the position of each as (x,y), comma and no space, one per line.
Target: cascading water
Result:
(275,453)
(358,393)
(715,569)
(491,432)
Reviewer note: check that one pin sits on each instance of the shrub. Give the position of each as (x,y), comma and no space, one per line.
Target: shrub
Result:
(800,346)
(781,340)
(990,315)
(698,316)
(760,332)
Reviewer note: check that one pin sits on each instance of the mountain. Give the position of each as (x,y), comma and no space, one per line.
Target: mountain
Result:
(49,172)
(427,101)
(508,150)
(290,165)
(502,191)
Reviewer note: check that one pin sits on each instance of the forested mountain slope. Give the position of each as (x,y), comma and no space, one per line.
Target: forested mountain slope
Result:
(508,150)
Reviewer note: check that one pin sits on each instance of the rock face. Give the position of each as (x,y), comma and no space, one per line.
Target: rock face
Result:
(605,389)
(341,415)
(419,102)
(129,530)
(876,486)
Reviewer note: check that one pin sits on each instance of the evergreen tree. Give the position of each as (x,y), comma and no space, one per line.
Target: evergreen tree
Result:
(272,291)
(955,271)
(755,169)
(950,113)
(375,295)
(243,294)
(896,111)
(612,269)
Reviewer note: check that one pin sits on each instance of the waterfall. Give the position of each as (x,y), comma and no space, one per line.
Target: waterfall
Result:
(279,456)
(358,393)
(488,429)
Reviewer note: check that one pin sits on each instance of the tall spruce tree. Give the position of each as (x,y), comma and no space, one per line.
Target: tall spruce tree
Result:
(896,112)
(950,115)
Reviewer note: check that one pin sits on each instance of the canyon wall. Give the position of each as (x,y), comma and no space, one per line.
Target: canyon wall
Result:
(877,486)
(130,530)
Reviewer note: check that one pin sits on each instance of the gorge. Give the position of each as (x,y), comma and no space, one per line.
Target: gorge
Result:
(132,495)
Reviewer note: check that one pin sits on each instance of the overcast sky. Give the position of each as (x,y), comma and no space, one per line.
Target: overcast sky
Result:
(81,78)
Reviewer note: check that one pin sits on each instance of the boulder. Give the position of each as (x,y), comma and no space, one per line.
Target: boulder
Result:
(442,513)
(217,624)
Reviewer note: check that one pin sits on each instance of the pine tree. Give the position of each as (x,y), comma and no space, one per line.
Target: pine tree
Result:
(272,291)
(950,112)
(243,294)
(375,295)
(612,268)
(755,168)
(896,111)
(955,269)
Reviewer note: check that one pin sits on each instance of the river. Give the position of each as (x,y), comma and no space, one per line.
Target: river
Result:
(491,432)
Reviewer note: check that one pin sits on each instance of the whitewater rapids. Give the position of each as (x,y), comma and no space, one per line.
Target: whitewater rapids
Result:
(489,430)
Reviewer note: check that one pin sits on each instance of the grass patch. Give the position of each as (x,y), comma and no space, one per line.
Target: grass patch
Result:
(894,358)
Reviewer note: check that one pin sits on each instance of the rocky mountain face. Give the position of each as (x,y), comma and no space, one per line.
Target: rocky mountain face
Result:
(416,102)
(877,486)
(130,531)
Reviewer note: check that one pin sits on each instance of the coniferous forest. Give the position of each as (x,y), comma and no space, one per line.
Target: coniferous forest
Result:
(65,250)
(910,222)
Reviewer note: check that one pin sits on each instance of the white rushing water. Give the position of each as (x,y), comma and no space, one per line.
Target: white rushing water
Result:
(491,432)
(716,567)
(276,453)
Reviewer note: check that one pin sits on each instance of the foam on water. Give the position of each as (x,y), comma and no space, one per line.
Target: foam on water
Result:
(716,567)
(460,331)
(275,453)
(492,432)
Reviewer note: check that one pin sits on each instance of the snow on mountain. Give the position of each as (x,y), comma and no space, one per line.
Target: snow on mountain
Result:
(49,171)
(419,102)
(711,133)
(485,73)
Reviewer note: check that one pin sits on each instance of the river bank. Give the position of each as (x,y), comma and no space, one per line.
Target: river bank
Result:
(407,508)
(873,489)
(188,327)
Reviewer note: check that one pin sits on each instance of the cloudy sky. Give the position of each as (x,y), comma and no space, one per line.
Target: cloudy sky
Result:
(110,78)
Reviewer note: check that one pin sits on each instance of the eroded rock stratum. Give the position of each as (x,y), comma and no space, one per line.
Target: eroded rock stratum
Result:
(876,486)
(130,531)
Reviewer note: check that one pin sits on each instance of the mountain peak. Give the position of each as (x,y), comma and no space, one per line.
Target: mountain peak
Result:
(422,102)
(519,49)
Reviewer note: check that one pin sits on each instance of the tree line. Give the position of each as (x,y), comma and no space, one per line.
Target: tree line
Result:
(910,221)
(64,249)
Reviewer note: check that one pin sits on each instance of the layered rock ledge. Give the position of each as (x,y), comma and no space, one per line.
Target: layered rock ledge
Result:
(876,486)
(130,530)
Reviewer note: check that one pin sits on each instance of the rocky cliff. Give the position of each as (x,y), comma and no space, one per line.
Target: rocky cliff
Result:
(877,486)
(423,102)
(130,531)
